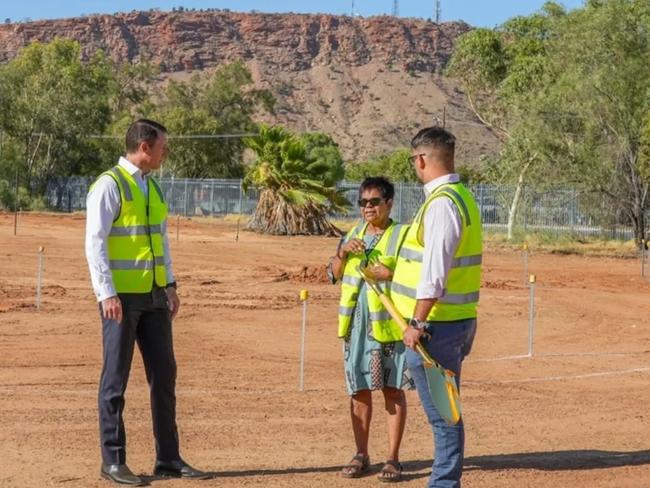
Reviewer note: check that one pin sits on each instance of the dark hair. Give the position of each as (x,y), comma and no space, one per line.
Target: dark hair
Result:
(380,183)
(435,137)
(143,130)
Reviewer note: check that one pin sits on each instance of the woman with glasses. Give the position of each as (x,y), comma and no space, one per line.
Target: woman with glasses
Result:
(374,354)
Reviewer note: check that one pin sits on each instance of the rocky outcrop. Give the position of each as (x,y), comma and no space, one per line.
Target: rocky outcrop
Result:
(367,81)
(199,40)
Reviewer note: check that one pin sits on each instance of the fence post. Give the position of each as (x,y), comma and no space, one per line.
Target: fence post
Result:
(400,189)
(212,199)
(241,196)
(185,205)
(573,210)
(643,258)
(226,200)
(16,204)
(531,316)
(304,296)
(172,208)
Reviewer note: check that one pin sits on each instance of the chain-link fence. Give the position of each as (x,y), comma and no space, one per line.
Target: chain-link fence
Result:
(555,211)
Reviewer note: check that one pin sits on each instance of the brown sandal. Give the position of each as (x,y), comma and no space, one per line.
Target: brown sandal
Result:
(356,467)
(391,472)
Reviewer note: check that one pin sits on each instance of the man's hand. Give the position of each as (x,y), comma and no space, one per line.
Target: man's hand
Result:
(412,337)
(173,301)
(112,309)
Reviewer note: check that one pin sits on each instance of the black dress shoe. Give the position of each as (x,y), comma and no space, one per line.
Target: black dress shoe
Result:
(178,469)
(121,474)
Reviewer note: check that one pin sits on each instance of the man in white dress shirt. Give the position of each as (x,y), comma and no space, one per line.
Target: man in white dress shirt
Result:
(436,286)
(131,271)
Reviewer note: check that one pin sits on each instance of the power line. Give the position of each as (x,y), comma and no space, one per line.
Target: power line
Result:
(180,136)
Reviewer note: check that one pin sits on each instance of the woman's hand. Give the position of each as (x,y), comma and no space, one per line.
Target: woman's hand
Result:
(353,246)
(379,272)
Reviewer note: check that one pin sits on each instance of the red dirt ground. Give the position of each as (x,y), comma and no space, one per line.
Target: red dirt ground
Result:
(576,414)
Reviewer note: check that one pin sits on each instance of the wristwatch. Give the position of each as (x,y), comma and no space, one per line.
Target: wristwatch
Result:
(171,285)
(417,324)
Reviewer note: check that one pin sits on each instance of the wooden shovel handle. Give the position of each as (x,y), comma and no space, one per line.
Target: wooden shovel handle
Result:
(390,307)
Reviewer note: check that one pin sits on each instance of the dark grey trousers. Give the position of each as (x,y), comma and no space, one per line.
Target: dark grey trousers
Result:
(146,321)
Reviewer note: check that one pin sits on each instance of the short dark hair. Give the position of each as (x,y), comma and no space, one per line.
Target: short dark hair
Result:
(385,187)
(435,137)
(143,130)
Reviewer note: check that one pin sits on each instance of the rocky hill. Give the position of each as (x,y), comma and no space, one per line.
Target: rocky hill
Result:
(369,82)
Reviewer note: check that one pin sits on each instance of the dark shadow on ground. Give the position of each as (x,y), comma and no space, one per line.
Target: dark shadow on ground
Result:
(544,461)
(548,461)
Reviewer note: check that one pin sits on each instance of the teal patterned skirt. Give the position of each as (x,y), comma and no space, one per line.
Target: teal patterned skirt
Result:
(371,365)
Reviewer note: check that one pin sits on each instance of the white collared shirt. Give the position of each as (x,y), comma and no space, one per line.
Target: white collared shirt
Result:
(442,231)
(102,206)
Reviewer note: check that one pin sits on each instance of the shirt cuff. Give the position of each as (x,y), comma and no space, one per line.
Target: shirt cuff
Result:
(429,291)
(104,294)
(169,275)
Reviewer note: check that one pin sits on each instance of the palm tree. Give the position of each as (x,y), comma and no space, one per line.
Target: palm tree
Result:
(296,192)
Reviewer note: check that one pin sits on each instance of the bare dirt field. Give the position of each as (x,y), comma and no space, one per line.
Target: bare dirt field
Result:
(576,414)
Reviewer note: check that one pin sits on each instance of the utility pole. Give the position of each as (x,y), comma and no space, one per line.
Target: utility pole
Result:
(395,8)
(438,11)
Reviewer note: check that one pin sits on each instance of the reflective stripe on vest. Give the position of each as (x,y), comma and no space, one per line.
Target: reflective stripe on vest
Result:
(135,242)
(136,230)
(411,255)
(383,327)
(124,264)
(460,298)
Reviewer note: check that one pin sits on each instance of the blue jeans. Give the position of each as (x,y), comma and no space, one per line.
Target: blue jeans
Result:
(448,343)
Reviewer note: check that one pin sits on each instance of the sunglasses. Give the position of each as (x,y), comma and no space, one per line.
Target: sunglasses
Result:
(363,202)
(414,157)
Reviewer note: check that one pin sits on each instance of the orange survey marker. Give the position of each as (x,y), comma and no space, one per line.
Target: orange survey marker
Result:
(441,381)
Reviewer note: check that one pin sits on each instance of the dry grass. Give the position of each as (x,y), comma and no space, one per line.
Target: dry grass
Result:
(565,245)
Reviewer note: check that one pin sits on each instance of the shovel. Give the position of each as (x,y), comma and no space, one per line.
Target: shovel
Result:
(441,381)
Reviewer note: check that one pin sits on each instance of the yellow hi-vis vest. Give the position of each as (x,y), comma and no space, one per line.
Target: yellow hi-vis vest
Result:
(135,243)
(464,279)
(384,329)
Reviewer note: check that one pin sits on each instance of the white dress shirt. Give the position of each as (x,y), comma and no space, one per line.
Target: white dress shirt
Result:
(102,206)
(442,231)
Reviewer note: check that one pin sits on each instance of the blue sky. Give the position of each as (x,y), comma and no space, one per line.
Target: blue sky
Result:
(487,13)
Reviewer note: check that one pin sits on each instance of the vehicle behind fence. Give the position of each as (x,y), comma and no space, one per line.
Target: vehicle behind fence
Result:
(557,211)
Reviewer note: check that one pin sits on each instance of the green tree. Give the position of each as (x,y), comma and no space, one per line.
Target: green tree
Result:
(296,191)
(221,105)
(601,102)
(321,147)
(51,103)
(395,166)
(504,73)
(568,95)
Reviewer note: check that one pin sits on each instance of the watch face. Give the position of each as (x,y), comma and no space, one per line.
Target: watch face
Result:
(417,324)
